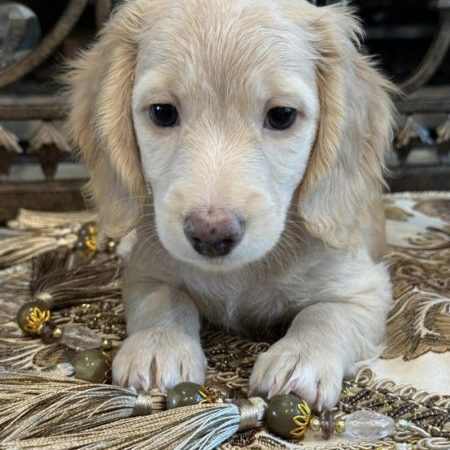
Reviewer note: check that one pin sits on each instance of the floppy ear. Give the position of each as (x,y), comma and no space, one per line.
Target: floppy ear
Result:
(100,123)
(345,171)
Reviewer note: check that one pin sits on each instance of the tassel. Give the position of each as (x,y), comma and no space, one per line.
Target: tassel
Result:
(47,232)
(17,351)
(38,405)
(197,427)
(47,221)
(53,286)
(61,287)
(15,290)
(50,411)
(20,249)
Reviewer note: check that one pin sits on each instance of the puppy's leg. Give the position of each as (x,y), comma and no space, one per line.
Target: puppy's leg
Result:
(163,347)
(327,338)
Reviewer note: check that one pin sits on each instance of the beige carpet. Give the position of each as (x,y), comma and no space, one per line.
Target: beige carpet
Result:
(416,358)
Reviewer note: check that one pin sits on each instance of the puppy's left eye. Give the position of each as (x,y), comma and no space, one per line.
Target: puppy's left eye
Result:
(280,118)
(163,115)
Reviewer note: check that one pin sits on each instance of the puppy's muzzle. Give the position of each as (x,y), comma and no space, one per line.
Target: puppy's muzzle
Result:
(213,232)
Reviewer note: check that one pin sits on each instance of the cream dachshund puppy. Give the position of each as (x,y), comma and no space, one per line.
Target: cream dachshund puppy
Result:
(243,142)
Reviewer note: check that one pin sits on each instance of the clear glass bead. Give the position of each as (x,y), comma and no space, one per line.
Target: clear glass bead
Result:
(79,337)
(368,425)
(403,446)
(19,32)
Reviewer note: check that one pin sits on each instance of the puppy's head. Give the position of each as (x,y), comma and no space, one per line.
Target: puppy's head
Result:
(230,112)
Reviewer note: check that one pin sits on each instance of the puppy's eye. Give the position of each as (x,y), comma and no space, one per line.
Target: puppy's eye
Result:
(163,115)
(280,118)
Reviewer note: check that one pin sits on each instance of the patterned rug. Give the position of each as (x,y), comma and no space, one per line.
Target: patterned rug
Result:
(410,381)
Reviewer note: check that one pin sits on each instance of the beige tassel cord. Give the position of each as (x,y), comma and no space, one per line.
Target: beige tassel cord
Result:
(187,428)
(49,221)
(19,249)
(37,404)
(47,411)
(62,287)
(44,232)
(49,405)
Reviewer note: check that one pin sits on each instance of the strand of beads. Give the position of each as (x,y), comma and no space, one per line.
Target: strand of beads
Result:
(290,417)
(35,319)
(91,362)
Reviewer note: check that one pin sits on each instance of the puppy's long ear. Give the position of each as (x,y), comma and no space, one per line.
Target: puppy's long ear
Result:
(345,172)
(100,84)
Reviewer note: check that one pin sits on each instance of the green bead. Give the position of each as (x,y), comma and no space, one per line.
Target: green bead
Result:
(90,366)
(184,394)
(281,410)
(32,316)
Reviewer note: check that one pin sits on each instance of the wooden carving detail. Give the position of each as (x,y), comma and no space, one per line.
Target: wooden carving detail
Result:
(9,149)
(50,145)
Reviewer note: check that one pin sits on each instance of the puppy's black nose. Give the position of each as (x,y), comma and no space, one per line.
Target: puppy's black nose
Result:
(215,232)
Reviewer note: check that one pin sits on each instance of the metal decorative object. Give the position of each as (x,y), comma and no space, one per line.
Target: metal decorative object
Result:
(48,45)
(20,31)
(435,54)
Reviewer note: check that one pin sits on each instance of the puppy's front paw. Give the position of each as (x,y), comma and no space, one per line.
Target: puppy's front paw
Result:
(291,366)
(157,358)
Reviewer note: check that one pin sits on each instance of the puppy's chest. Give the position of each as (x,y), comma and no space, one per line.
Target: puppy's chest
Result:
(235,303)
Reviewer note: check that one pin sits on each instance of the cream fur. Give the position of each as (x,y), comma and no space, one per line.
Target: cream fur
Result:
(309,194)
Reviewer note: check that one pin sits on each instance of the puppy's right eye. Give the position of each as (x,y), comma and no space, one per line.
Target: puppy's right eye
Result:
(280,118)
(163,115)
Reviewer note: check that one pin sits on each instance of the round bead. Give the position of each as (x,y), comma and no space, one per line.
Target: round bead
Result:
(280,414)
(327,425)
(57,333)
(339,426)
(90,366)
(106,344)
(87,238)
(403,425)
(46,332)
(184,394)
(314,423)
(111,245)
(88,229)
(32,316)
